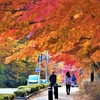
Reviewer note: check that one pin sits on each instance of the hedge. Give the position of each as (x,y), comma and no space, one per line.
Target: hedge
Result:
(7,96)
(29,89)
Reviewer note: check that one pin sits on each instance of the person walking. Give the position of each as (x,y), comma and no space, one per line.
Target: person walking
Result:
(68,82)
(52,79)
(73,80)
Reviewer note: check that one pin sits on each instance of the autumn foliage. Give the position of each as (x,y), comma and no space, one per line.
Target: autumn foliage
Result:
(68,29)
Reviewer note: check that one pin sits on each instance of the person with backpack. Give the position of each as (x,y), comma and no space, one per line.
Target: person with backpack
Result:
(73,80)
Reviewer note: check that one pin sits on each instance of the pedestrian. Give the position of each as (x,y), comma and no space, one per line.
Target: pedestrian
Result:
(68,82)
(73,80)
(52,79)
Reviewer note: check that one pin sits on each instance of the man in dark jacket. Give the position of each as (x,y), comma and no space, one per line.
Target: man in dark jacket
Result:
(52,79)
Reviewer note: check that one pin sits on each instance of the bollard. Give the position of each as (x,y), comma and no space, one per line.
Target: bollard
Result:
(56,91)
(50,94)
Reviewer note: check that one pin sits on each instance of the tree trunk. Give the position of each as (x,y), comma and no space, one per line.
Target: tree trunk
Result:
(92,76)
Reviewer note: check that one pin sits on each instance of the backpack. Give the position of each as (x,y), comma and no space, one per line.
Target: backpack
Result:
(73,78)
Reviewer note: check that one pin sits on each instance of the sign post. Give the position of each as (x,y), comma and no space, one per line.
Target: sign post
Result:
(37,70)
(47,59)
(39,64)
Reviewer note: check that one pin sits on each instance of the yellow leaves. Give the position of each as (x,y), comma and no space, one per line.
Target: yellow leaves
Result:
(77,15)
(85,44)
(8,59)
(59,78)
(96,56)
(69,27)
(85,48)
(97,72)
(4,37)
(21,52)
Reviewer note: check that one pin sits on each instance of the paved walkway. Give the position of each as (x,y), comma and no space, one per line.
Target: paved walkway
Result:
(62,94)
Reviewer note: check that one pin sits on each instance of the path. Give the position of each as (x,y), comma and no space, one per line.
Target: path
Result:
(62,94)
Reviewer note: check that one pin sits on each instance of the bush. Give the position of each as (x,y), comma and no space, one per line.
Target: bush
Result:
(83,83)
(34,87)
(7,96)
(40,86)
(28,89)
(92,89)
(45,85)
(21,87)
(20,92)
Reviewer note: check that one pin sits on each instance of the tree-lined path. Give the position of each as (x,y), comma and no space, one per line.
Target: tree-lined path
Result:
(69,30)
(61,94)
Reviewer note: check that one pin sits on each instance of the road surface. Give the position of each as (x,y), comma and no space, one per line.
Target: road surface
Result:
(7,90)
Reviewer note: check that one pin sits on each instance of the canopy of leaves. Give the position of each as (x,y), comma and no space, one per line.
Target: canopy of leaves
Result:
(63,27)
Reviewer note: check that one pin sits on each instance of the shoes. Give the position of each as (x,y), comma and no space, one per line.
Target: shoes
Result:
(68,93)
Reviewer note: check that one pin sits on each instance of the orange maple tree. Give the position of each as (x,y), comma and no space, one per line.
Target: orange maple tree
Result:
(63,27)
